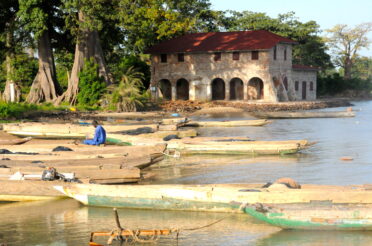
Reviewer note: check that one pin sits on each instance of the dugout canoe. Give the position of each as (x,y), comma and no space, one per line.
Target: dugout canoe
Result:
(65,130)
(29,190)
(227,123)
(303,114)
(240,147)
(14,141)
(81,152)
(312,216)
(210,197)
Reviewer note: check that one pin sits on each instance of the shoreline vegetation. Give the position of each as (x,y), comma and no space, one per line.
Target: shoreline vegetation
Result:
(46,112)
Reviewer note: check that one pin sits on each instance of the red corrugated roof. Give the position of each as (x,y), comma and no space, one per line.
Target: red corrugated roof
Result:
(220,41)
(304,67)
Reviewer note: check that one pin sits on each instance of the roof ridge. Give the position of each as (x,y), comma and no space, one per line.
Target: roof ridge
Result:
(220,41)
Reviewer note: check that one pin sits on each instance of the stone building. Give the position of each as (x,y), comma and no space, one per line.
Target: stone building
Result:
(246,65)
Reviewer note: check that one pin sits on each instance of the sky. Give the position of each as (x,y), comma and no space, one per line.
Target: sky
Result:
(327,13)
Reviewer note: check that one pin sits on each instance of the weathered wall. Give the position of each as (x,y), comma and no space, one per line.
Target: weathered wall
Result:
(305,78)
(200,69)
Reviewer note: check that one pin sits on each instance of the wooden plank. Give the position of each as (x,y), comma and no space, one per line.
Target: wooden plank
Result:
(113,181)
(109,174)
(167,127)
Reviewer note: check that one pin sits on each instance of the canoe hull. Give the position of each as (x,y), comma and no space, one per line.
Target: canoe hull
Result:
(221,198)
(343,218)
(303,115)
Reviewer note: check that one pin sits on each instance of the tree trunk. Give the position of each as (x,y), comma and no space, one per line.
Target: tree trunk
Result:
(12,92)
(347,68)
(45,86)
(88,46)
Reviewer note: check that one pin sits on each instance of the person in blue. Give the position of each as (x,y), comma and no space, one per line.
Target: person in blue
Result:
(99,135)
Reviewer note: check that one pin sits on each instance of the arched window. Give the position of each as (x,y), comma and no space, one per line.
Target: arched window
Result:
(255,89)
(236,89)
(218,89)
(182,89)
(166,89)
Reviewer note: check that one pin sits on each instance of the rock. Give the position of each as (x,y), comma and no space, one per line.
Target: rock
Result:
(290,183)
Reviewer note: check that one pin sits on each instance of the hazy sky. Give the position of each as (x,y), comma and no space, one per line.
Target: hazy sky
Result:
(326,13)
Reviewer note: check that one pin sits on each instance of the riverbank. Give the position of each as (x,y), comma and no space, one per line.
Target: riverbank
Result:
(185,108)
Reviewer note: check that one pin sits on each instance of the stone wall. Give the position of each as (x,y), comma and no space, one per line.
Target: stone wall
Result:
(242,79)
(306,84)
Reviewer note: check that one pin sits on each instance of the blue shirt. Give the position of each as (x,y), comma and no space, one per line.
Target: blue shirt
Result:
(99,137)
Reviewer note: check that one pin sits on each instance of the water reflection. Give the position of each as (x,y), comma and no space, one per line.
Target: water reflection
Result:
(335,137)
(65,222)
(317,238)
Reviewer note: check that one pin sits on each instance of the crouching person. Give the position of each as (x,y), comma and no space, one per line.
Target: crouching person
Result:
(99,135)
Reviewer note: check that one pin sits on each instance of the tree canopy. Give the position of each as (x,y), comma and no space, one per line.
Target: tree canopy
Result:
(116,33)
(346,42)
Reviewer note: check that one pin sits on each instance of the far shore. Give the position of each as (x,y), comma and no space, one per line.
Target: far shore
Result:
(179,108)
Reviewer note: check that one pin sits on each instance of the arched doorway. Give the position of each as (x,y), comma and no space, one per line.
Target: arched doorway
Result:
(236,89)
(218,89)
(255,89)
(285,83)
(166,89)
(304,90)
(182,89)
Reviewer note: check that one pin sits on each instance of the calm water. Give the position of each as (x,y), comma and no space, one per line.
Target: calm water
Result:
(68,223)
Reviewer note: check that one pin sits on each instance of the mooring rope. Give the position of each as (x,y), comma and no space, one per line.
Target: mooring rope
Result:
(176,154)
(135,234)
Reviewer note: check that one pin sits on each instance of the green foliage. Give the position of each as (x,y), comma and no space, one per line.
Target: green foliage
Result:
(147,22)
(335,84)
(25,69)
(91,86)
(120,68)
(34,16)
(64,61)
(15,110)
(126,96)
(362,68)
(20,110)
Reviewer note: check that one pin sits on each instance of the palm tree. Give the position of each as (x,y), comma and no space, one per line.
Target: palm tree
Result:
(126,95)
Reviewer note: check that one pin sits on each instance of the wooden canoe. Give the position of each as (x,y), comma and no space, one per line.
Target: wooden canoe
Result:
(81,152)
(312,216)
(28,190)
(210,197)
(228,123)
(303,114)
(14,141)
(66,129)
(240,147)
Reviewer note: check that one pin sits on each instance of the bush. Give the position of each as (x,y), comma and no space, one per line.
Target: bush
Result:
(15,110)
(91,86)
(119,69)
(127,95)
(335,84)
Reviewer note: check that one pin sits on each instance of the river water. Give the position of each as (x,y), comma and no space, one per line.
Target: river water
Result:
(66,222)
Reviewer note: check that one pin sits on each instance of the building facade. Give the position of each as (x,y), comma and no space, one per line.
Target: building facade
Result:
(247,65)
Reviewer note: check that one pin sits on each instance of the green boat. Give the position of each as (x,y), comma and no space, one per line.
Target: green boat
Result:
(209,197)
(311,216)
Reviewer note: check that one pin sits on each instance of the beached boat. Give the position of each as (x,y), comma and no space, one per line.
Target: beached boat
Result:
(66,130)
(210,197)
(240,147)
(227,123)
(14,141)
(70,131)
(29,190)
(312,216)
(303,114)
(35,152)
